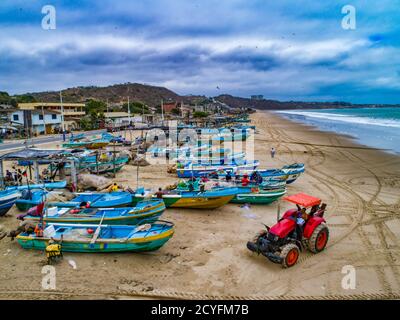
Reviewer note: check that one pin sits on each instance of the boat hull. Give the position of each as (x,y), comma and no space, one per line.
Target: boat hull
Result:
(7,200)
(100,246)
(149,214)
(177,201)
(258,197)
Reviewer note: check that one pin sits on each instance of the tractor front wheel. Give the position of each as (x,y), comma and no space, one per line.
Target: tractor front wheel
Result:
(319,238)
(290,254)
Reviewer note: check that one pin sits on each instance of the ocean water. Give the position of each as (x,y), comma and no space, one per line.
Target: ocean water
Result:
(374,127)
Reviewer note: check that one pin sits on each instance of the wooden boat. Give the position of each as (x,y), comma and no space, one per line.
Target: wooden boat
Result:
(30,198)
(98,200)
(209,199)
(100,167)
(108,238)
(293,171)
(97,144)
(76,137)
(197,170)
(75,144)
(88,144)
(149,210)
(236,158)
(44,185)
(7,200)
(289,173)
(258,196)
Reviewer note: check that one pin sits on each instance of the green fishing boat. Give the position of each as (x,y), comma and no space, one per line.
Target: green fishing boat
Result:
(101,238)
(257,196)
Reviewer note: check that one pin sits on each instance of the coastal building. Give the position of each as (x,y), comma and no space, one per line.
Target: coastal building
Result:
(36,121)
(72,112)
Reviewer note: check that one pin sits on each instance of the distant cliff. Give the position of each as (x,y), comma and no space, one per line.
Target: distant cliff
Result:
(264,104)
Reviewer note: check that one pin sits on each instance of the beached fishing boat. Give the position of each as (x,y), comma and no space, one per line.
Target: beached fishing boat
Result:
(258,196)
(98,200)
(263,193)
(209,199)
(75,144)
(88,144)
(108,166)
(290,173)
(89,162)
(236,158)
(101,238)
(197,170)
(7,200)
(113,139)
(149,210)
(30,198)
(76,137)
(45,185)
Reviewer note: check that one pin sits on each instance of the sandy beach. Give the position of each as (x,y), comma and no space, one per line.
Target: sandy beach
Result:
(208,258)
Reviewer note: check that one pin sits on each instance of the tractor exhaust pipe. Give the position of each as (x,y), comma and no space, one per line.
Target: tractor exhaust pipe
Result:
(278,212)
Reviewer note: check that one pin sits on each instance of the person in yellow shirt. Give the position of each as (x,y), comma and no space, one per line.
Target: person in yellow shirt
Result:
(114,187)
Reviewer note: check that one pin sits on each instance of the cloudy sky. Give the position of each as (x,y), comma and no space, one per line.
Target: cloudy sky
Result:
(287,50)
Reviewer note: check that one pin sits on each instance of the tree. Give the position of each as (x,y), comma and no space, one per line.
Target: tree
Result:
(136,107)
(176,111)
(200,114)
(95,106)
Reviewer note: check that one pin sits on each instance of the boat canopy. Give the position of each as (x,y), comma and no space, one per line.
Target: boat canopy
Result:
(30,153)
(303,200)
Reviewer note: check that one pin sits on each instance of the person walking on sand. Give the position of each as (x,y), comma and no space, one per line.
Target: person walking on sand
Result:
(273,152)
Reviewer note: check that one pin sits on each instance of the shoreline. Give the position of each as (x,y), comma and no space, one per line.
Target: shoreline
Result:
(354,142)
(207,257)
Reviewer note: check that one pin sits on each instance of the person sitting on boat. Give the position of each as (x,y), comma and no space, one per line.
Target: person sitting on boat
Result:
(204,179)
(159,194)
(9,176)
(114,187)
(228,176)
(214,175)
(245,180)
(190,186)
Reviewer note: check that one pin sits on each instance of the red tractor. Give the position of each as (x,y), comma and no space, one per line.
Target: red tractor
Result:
(295,231)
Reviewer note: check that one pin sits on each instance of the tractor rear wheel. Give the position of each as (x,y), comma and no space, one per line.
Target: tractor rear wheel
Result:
(319,238)
(290,254)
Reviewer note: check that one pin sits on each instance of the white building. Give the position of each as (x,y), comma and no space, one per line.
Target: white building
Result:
(40,122)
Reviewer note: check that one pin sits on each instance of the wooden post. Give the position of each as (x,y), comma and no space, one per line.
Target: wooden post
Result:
(97,162)
(114,159)
(74,176)
(1,175)
(36,168)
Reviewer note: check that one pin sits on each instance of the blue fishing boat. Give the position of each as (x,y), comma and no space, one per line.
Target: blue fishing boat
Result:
(98,200)
(149,210)
(235,158)
(44,185)
(101,238)
(30,198)
(7,200)
(198,170)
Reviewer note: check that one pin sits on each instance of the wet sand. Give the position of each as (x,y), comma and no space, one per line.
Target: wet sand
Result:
(208,258)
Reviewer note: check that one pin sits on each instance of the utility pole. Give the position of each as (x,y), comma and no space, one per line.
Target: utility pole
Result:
(62,117)
(162,111)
